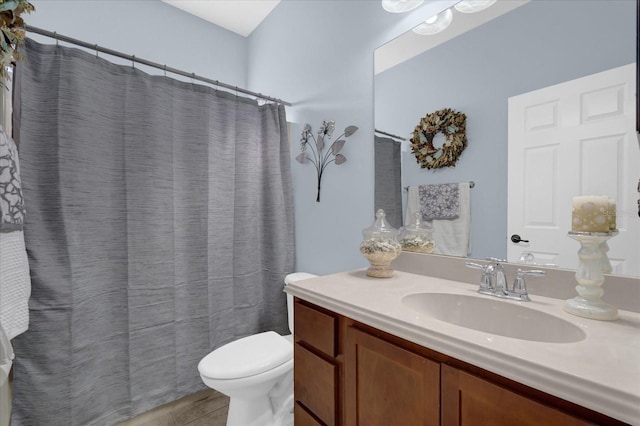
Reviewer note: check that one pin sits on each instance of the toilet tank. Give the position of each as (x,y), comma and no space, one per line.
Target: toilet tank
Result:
(292,278)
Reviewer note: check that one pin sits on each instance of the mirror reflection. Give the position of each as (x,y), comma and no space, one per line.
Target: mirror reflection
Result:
(508,50)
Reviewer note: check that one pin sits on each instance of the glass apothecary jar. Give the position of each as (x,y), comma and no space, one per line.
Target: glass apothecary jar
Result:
(380,246)
(417,237)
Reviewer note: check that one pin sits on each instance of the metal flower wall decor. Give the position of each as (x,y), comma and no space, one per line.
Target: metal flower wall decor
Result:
(316,146)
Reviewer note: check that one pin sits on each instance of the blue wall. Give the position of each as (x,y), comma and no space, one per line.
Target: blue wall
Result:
(537,45)
(151,30)
(319,56)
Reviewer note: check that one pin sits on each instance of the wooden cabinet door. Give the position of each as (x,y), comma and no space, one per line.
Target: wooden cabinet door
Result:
(470,400)
(315,384)
(387,385)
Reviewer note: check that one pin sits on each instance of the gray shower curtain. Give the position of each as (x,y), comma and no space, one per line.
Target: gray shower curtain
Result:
(159,226)
(388,179)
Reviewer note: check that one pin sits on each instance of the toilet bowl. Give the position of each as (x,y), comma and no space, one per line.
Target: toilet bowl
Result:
(256,373)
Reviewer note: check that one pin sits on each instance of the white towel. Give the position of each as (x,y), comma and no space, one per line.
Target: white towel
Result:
(15,284)
(451,236)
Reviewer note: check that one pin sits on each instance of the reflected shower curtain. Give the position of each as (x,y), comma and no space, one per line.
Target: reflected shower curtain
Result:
(388,179)
(160,226)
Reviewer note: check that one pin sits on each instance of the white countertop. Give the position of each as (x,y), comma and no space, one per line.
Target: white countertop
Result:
(601,372)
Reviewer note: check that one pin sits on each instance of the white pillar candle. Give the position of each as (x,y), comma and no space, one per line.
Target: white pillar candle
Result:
(590,214)
(612,214)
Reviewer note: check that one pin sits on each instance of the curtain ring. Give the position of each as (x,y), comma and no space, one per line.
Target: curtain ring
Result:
(96,47)
(165,70)
(133,61)
(55,35)
(193,78)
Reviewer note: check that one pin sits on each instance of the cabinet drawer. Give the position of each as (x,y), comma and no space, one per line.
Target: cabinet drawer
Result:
(315,328)
(301,417)
(314,384)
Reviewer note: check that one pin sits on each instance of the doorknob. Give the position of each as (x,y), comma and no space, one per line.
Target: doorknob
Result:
(516,239)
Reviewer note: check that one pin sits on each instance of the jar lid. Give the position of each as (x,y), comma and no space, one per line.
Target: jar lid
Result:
(380,227)
(417,224)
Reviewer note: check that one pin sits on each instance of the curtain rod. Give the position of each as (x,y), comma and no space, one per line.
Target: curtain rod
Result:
(389,134)
(135,59)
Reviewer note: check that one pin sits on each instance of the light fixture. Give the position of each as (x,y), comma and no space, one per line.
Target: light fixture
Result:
(473,6)
(399,6)
(435,24)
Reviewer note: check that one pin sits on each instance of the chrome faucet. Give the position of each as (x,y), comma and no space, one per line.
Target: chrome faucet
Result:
(527,257)
(500,278)
(520,286)
(494,282)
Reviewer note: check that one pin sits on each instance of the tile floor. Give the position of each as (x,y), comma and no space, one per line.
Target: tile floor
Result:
(207,407)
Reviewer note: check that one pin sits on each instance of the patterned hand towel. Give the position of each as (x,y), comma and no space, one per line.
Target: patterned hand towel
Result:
(11,202)
(452,236)
(439,201)
(15,281)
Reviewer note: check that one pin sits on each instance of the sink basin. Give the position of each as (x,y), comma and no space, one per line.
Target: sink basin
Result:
(494,316)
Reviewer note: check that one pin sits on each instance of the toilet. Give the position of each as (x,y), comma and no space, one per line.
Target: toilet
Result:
(256,373)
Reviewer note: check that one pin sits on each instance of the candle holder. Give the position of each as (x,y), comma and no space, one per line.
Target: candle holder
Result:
(590,277)
(604,259)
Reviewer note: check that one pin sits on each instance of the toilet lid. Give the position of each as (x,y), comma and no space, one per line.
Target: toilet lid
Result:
(246,357)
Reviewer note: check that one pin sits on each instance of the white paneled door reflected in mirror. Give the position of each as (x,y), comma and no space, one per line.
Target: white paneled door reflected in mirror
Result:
(475,66)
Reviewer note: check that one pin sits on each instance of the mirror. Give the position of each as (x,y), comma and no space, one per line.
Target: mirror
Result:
(525,46)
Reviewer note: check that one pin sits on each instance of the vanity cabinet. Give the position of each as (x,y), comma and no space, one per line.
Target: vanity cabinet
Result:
(348,373)
(388,385)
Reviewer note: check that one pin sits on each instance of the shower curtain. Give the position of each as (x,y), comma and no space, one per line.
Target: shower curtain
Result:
(159,226)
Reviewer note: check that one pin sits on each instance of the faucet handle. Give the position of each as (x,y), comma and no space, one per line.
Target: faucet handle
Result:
(487,272)
(535,272)
(475,265)
(519,284)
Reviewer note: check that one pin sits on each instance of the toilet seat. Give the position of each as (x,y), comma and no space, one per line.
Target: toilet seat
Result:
(247,357)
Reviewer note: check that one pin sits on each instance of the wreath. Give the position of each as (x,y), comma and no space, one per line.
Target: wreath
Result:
(452,124)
